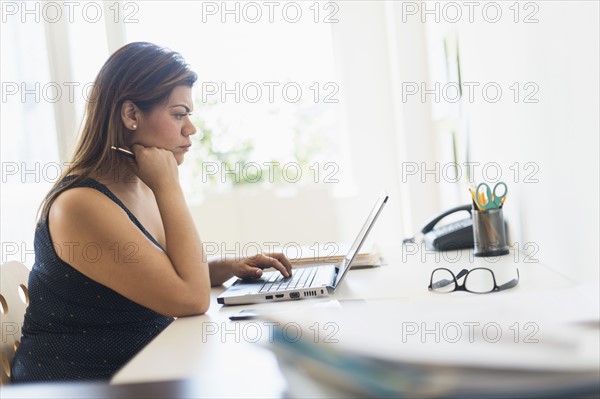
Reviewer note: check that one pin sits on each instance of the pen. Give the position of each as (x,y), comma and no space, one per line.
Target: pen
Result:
(502,202)
(123,151)
(474,202)
(482,199)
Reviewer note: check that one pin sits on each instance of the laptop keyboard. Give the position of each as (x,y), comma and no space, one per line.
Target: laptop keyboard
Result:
(301,278)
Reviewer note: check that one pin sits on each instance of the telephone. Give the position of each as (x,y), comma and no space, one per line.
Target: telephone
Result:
(456,235)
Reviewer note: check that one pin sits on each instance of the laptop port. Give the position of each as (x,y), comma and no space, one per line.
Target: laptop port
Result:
(279,296)
(269,297)
(294,295)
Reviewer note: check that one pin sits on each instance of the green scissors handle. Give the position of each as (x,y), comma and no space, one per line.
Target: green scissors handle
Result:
(493,199)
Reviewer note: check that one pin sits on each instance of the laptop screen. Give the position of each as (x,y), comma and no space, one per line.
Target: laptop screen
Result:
(360,239)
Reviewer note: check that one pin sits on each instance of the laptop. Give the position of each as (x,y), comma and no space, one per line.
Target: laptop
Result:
(320,280)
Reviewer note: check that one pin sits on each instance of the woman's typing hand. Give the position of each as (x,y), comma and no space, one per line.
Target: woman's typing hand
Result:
(252,267)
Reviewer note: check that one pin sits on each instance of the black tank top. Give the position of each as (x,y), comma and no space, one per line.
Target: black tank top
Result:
(74,327)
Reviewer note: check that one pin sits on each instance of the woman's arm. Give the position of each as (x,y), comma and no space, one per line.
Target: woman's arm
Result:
(175,282)
(220,270)
(183,244)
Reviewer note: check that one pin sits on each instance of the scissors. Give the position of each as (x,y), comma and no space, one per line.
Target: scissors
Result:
(490,199)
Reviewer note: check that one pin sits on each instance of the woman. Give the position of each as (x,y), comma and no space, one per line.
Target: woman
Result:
(117,253)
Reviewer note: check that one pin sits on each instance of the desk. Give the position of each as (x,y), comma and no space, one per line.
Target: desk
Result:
(214,350)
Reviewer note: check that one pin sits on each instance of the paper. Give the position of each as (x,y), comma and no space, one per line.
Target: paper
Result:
(333,252)
(466,344)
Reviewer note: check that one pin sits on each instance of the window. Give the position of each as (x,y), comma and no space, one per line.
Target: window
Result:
(29,150)
(265,101)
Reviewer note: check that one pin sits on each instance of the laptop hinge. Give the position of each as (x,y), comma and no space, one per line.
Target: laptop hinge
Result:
(335,276)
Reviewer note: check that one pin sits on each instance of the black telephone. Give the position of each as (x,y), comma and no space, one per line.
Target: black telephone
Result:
(456,235)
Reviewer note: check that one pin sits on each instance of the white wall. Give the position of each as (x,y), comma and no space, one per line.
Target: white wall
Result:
(559,134)
(552,207)
(554,141)
(250,219)
(360,41)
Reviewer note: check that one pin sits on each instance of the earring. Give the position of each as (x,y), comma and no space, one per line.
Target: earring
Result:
(134,126)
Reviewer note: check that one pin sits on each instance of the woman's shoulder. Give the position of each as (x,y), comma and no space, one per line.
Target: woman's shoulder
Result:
(80,201)
(82,196)
(84,215)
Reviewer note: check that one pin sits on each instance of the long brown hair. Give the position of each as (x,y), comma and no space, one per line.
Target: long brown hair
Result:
(140,72)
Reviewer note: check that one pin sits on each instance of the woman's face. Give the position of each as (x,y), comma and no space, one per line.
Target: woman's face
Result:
(168,125)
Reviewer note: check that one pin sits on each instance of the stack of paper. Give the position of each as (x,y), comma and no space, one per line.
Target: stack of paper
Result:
(332,252)
(383,350)
(340,374)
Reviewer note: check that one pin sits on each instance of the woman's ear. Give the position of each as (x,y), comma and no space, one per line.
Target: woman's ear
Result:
(130,115)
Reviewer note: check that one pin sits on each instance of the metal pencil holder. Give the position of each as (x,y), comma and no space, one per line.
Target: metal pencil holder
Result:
(488,233)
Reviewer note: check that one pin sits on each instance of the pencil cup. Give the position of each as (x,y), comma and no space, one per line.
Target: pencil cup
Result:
(488,233)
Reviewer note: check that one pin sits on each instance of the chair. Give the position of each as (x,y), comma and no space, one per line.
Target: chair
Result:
(13,302)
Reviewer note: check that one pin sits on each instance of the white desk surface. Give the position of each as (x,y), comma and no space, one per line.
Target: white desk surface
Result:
(222,353)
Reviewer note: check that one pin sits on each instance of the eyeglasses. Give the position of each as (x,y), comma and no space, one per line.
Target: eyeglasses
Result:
(480,280)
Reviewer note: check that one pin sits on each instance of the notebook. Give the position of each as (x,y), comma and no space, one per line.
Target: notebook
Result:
(320,280)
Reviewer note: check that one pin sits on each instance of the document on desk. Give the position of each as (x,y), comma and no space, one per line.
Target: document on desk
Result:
(466,347)
(331,252)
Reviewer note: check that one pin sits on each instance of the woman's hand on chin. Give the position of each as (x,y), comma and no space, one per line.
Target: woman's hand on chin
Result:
(156,167)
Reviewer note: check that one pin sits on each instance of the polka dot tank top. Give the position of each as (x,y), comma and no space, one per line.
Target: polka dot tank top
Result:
(74,327)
